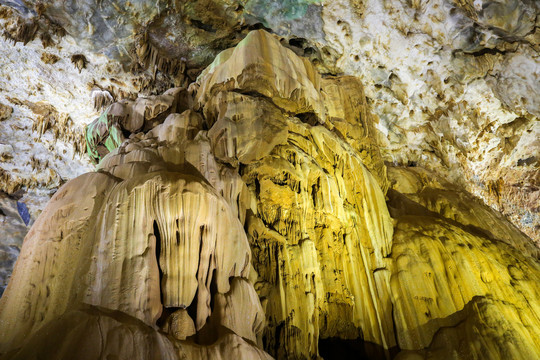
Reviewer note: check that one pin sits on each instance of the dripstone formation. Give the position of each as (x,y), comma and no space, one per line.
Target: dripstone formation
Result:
(251,216)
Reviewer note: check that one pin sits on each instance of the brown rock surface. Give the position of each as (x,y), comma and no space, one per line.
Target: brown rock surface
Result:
(5,111)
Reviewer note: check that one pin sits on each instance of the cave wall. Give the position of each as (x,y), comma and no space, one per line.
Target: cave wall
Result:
(252,215)
(453,84)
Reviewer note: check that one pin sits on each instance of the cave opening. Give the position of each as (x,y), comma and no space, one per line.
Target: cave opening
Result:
(309,118)
(335,348)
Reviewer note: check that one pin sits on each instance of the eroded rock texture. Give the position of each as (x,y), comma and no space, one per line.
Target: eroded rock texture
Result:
(181,247)
(252,216)
(459,273)
(454,84)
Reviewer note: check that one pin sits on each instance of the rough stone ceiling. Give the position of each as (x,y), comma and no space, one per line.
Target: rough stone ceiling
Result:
(454,84)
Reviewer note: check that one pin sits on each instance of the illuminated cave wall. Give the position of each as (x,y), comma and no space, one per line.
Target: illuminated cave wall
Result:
(268,204)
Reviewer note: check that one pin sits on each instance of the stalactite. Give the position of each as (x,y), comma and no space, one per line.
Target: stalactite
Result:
(59,124)
(21,31)
(101,99)
(79,61)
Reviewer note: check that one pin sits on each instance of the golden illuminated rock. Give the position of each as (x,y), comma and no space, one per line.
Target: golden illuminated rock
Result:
(322,222)
(252,216)
(463,277)
(441,270)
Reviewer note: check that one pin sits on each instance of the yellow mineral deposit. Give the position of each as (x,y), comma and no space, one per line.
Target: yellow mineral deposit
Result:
(253,217)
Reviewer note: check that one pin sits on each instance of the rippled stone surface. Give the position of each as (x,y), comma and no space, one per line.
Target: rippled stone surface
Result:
(252,216)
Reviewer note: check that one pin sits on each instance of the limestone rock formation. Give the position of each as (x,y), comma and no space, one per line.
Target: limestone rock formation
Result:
(455,87)
(251,215)
(453,84)
(471,263)
(180,252)
(107,132)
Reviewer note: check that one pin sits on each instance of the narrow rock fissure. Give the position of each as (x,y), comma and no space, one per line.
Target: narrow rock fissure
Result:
(165,312)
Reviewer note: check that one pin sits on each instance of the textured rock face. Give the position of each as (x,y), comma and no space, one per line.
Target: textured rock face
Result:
(453,83)
(180,252)
(253,216)
(456,262)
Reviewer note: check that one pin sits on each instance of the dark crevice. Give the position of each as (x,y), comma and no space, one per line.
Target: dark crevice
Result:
(213,289)
(308,118)
(308,51)
(270,339)
(251,93)
(528,161)
(259,26)
(165,313)
(157,235)
(394,324)
(125,132)
(209,333)
(192,308)
(336,348)
(200,25)
(298,42)
(314,191)
(485,51)
(257,187)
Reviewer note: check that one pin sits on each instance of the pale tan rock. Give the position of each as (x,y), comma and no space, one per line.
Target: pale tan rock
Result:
(259,64)
(178,128)
(229,346)
(243,128)
(47,277)
(106,133)
(240,311)
(146,111)
(93,333)
(180,325)
(348,111)
(141,264)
